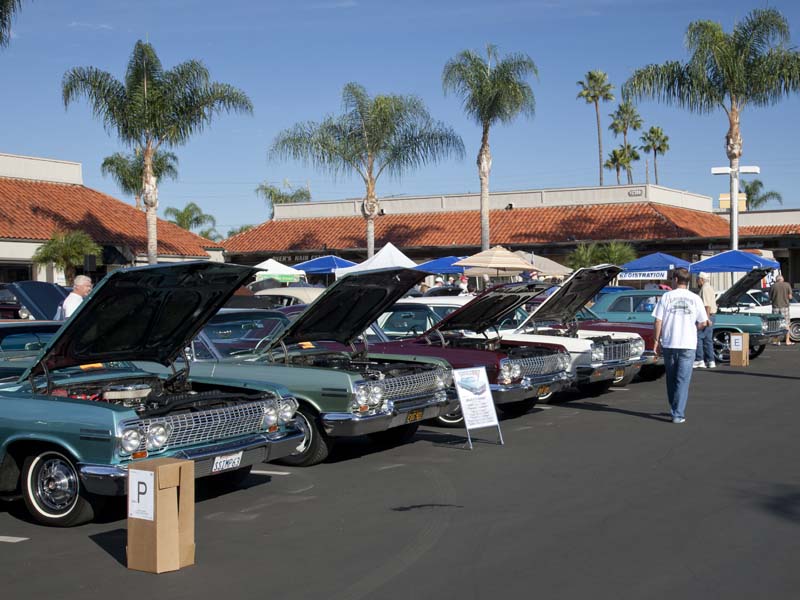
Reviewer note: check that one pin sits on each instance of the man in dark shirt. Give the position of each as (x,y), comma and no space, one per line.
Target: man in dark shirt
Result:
(779,296)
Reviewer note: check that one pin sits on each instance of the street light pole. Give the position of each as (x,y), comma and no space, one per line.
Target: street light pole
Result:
(734,175)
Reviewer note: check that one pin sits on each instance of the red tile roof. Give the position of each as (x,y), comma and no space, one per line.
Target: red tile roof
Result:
(33,210)
(771,230)
(540,225)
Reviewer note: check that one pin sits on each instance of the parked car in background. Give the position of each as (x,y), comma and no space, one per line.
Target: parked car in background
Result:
(344,389)
(74,422)
(38,300)
(287,296)
(9,305)
(20,343)
(636,306)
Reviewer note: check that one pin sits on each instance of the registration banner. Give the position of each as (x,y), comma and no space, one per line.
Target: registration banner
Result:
(642,275)
(475,397)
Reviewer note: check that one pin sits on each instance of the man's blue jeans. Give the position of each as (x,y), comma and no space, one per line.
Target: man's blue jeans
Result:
(705,345)
(678,364)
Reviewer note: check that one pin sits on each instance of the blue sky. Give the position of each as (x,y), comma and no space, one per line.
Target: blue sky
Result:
(293,57)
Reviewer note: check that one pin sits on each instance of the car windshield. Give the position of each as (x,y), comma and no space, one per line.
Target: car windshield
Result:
(239,333)
(15,345)
(760,296)
(412,320)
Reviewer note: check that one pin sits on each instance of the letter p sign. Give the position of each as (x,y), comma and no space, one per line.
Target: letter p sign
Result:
(141,494)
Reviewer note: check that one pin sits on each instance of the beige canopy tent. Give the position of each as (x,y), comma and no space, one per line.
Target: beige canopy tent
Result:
(544,266)
(495,262)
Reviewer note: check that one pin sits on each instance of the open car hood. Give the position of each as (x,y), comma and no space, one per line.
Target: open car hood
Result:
(572,295)
(730,296)
(143,313)
(349,306)
(41,299)
(489,308)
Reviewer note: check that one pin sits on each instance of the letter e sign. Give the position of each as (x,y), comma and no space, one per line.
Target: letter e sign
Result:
(141,494)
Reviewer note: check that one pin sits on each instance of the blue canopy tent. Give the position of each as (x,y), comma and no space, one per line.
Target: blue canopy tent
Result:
(733,261)
(443,266)
(324,265)
(652,266)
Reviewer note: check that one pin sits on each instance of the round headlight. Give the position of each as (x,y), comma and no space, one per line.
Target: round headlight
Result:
(441,380)
(270,417)
(362,394)
(24,313)
(516,371)
(764,327)
(130,441)
(157,436)
(375,395)
(287,409)
(597,353)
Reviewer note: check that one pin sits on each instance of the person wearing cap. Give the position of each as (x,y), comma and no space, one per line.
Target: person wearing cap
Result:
(704,356)
(438,282)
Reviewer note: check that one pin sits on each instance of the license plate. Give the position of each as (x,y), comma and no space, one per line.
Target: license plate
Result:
(227,462)
(619,373)
(414,415)
(543,390)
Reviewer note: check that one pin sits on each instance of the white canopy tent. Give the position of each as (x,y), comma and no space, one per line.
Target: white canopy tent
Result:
(388,256)
(544,266)
(272,269)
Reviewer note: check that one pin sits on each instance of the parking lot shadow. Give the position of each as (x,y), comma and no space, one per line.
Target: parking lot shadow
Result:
(750,374)
(663,417)
(782,500)
(113,542)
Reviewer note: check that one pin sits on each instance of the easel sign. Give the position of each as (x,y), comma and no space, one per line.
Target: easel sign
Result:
(475,397)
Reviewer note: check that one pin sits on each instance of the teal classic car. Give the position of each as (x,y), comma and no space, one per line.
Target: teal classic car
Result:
(636,306)
(343,388)
(82,413)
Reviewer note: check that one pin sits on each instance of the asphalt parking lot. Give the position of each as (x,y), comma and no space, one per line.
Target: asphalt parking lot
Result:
(592,498)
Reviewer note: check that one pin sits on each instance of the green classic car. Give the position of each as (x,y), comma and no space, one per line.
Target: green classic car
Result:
(343,390)
(82,413)
(636,306)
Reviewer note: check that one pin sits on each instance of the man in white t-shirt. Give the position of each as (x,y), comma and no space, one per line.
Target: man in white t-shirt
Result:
(679,314)
(81,287)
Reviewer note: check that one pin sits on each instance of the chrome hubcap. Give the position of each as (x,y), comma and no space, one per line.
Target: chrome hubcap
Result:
(308,433)
(56,484)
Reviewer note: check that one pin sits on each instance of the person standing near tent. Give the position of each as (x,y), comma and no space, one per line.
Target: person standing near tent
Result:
(678,314)
(704,356)
(780,295)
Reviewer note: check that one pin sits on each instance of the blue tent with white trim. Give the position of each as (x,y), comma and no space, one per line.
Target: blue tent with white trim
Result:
(733,261)
(443,266)
(324,265)
(656,262)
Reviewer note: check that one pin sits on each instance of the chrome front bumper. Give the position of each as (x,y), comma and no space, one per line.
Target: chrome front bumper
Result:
(350,424)
(604,372)
(530,387)
(110,480)
(650,358)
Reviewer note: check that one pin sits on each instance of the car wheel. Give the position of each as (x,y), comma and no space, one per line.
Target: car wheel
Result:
(516,409)
(452,419)
(756,351)
(625,379)
(794,331)
(595,388)
(396,435)
(722,346)
(651,372)
(231,480)
(316,444)
(51,490)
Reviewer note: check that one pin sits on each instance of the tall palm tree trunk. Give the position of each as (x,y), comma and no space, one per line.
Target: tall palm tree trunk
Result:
(150,199)
(370,209)
(138,199)
(599,141)
(655,164)
(628,168)
(618,173)
(733,148)
(484,168)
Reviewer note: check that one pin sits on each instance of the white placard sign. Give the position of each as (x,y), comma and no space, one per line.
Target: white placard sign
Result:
(141,494)
(642,275)
(475,397)
(737,343)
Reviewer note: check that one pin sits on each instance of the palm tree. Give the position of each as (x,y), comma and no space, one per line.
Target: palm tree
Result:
(384,133)
(210,233)
(617,160)
(631,156)
(189,217)
(8,8)
(66,250)
(623,119)
(584,255)
(594,89)
(152,107)
(237,230)
(757,197)
(275,195)
(616,253)
(654,140)
(493,90)
(754,64)
(128,170)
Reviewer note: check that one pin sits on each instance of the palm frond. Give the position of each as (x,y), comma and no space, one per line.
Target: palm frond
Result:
(8,10)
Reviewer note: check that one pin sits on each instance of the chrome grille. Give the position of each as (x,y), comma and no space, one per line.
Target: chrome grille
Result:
(773,325)
(208,425)
(616,351)
(538,365)
(418,384)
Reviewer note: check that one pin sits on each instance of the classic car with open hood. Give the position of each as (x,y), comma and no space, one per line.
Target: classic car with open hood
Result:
(83,412)
(636,306)
(597,359)
(518,375)
(343,390)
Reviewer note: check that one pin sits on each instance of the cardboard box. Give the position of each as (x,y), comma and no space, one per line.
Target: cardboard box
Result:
(161,515)
(740,349)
